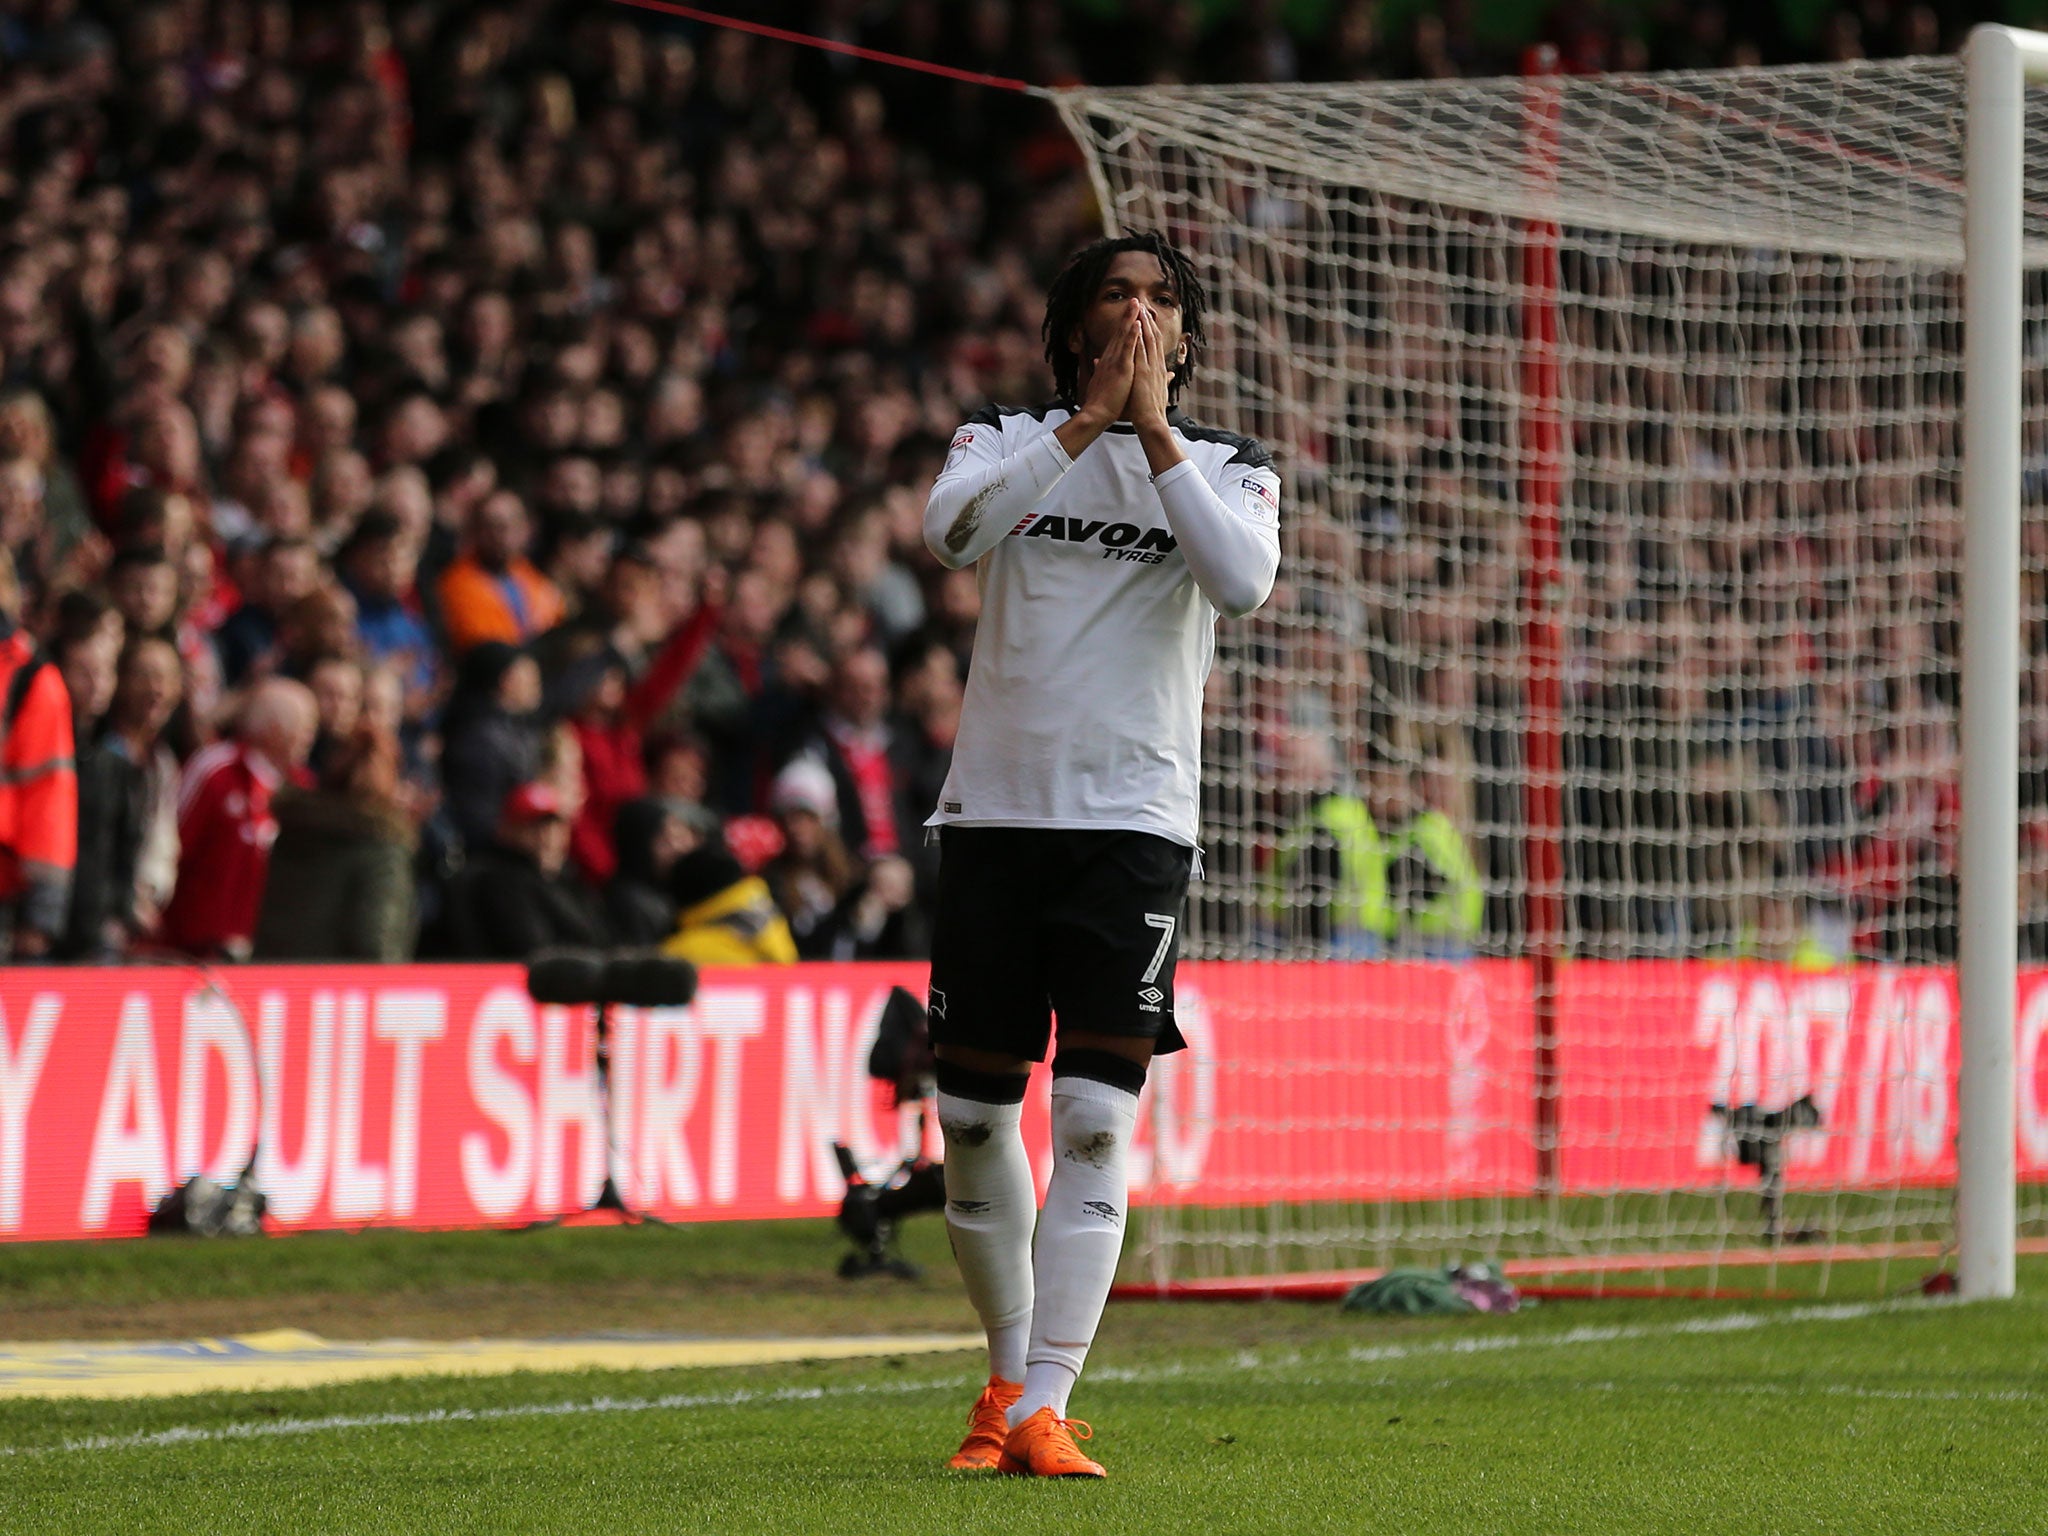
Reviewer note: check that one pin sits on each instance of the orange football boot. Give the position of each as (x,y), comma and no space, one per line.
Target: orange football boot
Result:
(1043,1446)
(988,1425)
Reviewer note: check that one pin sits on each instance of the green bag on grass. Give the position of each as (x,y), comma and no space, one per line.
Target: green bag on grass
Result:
(1409,1293)
(1435,1292)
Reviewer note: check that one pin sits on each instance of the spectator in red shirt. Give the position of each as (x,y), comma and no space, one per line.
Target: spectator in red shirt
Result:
(225,825)
(610,717)
(855,742)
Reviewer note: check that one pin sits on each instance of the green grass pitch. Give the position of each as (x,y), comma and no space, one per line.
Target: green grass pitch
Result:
(1611,1416)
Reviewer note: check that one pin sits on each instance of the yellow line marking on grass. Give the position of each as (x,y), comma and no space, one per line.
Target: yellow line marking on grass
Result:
(289,1358)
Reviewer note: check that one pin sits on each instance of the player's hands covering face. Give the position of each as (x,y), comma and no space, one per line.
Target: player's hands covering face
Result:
(1108,390)
(1151,373)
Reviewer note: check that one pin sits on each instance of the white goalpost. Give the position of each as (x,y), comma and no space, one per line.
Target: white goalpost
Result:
(1640,544)
(2001,63)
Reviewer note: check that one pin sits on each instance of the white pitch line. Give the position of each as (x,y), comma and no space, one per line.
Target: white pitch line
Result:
(192,1434)
(1733,1322)
(1718,1389)
(1843,1389)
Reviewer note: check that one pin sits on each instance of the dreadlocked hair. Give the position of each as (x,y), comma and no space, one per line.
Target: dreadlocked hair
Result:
(1074,290)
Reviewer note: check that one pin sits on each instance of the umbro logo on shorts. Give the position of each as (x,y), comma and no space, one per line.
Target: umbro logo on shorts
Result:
(1149,999)
(1103,1209)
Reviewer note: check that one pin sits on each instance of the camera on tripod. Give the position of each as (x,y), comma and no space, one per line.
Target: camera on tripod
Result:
(1759,1136)
(870,1212)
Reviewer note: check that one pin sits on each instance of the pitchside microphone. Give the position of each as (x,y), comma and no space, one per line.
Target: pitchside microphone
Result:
(650,981)
(566,976)
(636,978)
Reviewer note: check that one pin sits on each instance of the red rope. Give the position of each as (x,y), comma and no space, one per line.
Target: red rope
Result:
(805,39)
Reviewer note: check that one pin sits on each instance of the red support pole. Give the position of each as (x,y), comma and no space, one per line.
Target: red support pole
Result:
(1542,488)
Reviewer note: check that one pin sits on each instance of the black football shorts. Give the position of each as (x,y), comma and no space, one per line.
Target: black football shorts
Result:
(1036,921)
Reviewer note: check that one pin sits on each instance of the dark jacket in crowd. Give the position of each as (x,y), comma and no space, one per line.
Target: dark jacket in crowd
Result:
(921,765)
(110,827)
(487,751)
(243,639)
(847,929)
(341,881)
(637,902)
(502,905)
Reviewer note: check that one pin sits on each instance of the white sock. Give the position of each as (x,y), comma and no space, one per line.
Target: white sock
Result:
(1080,1235)
(991,1203)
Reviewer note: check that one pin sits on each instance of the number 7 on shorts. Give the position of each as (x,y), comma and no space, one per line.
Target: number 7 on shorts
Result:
(1164,922)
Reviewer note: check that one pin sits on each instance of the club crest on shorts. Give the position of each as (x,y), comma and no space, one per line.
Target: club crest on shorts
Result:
(935,1003)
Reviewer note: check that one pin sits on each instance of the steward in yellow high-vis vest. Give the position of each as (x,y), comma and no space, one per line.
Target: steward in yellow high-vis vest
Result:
(1445,913)
(1328,880)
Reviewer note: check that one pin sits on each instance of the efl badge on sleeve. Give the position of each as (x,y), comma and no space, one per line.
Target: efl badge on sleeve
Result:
(1261,502)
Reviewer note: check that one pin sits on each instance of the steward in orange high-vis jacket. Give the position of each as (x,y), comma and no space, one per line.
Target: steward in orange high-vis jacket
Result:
(38,795)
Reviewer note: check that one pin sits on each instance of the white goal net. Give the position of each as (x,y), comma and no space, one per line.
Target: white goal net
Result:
(1607,705)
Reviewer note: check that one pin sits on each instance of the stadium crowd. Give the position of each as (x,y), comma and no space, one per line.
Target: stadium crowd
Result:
(463,463)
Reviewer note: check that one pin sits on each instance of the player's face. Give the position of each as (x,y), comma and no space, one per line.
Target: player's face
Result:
(1133,278)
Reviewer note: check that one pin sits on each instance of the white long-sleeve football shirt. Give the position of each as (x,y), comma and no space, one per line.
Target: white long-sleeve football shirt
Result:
(1099,595)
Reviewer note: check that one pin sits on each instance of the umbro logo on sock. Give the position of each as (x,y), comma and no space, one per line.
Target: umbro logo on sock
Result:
(1103,1209)
(970,1207)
